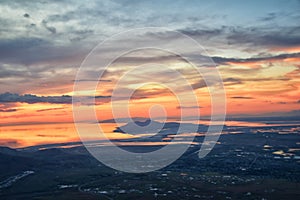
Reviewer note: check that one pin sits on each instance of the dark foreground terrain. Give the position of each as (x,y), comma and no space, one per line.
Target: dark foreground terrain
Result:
(247,163)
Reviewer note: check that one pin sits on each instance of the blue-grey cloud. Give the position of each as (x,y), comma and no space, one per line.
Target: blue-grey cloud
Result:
(253,36)
(35,33)
(29,51)
(224,60)
(267,37)
(30,98)
(269,16)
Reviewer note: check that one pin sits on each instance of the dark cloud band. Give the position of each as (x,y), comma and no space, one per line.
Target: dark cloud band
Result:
(30,98)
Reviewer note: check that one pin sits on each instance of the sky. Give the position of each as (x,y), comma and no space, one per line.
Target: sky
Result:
(255,45)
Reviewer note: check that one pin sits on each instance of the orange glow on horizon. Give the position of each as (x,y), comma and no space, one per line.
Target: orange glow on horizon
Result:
(253,88)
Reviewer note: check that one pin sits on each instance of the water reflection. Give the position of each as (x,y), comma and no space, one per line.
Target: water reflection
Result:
(36,134)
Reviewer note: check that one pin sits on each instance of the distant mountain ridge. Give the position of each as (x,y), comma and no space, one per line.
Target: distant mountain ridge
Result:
(159,127)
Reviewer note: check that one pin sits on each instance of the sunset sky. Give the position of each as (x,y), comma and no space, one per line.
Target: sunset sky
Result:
(254,44)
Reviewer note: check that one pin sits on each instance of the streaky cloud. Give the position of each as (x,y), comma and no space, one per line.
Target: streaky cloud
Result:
(31,99)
